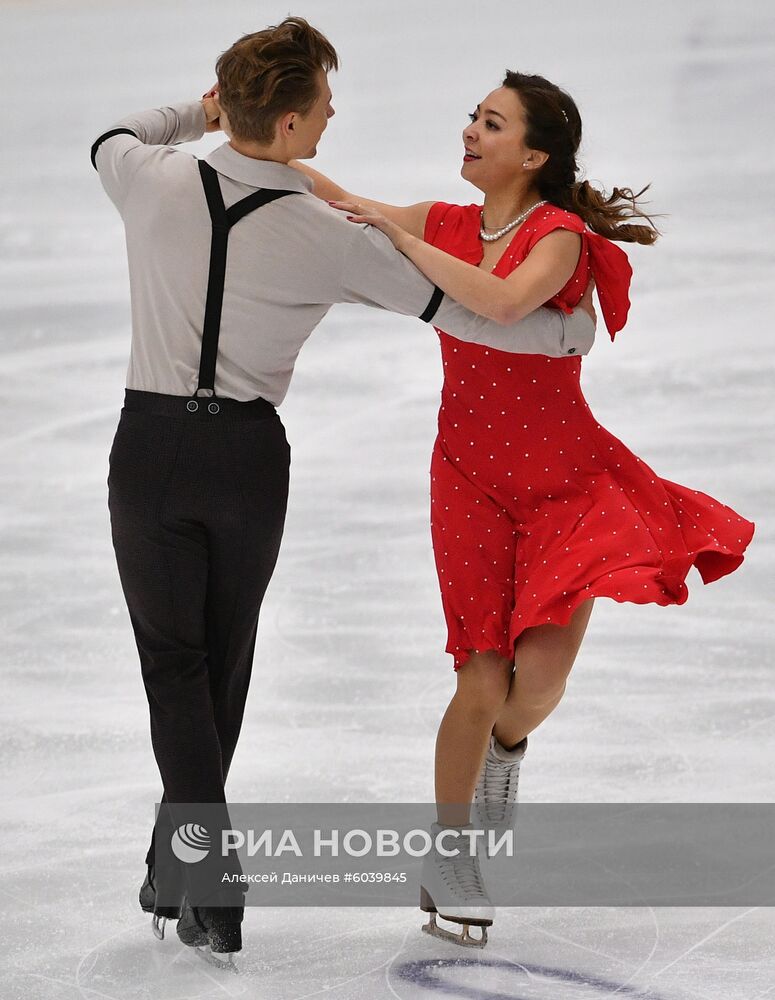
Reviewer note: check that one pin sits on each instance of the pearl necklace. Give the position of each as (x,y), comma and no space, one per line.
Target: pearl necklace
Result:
(490,238)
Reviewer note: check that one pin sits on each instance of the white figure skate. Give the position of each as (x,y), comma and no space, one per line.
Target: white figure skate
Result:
(495,797)
(453,889)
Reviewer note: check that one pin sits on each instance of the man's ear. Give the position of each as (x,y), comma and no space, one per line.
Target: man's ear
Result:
(285,124)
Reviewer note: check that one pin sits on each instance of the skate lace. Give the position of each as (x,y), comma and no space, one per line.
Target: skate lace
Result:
(498,791)
(462,876)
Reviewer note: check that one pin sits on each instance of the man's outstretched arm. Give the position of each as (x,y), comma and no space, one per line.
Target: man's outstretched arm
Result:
(375,273)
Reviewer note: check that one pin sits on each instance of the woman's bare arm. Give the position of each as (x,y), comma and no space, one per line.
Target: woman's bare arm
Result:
(410,218)
(547,269)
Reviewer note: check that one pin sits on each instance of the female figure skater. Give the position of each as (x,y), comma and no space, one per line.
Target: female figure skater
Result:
(536,509)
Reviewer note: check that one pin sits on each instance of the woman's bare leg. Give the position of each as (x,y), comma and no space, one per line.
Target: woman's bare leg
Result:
(544,656)
(493,697)
(482,687)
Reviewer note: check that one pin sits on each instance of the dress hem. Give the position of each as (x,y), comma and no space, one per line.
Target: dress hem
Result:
(711,562)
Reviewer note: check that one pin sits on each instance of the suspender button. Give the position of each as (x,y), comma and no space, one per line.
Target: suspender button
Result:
(192,406)
(213,408)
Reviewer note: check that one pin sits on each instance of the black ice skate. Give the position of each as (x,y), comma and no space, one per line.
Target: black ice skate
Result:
(215,932)
(161,914)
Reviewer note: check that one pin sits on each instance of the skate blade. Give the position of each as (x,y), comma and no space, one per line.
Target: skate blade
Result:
(464,939)
(157,926)
(227,964)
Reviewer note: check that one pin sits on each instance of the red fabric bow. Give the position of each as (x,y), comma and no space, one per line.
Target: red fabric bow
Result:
(612,273)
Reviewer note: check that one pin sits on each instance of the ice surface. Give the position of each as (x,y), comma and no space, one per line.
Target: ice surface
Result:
(350,678)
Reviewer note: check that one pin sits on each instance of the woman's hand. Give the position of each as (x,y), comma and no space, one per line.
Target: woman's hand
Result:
(399,237)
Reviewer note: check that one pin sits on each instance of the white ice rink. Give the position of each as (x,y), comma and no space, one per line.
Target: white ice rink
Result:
(350,678)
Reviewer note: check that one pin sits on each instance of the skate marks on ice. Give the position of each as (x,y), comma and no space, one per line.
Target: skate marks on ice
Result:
(547,954)
(592,971)
(127,964)
(448,977)
(583,954)
(293,961)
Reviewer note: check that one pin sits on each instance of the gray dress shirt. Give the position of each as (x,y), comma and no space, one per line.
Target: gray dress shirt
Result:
(288,263)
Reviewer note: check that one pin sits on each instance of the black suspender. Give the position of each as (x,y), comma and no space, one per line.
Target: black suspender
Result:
(222,220)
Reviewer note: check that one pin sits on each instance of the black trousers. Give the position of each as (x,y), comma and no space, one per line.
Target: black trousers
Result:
(197,507)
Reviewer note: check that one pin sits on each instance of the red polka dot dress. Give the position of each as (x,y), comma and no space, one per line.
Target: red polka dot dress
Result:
(534,506)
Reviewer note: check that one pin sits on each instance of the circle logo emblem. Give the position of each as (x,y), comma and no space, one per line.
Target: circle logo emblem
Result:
(190,843)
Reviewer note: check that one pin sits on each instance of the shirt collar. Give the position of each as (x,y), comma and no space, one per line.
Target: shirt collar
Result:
(257,173)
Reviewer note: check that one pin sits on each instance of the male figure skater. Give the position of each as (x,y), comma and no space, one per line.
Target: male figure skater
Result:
(232,264)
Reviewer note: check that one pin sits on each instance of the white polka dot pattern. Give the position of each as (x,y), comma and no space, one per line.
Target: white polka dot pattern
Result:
(535,506)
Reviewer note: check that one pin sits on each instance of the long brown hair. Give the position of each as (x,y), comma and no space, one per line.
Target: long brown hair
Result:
(554,127)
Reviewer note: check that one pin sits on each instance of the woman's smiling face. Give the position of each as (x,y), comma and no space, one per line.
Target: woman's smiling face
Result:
(494,141)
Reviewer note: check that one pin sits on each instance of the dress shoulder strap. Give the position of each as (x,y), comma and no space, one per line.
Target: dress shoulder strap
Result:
(608,263)
(548,218)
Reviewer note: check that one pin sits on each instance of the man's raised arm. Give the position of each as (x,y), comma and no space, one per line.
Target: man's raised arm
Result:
(119,152)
